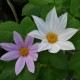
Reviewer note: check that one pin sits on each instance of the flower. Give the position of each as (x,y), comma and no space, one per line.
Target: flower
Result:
(52,32)
(24,51)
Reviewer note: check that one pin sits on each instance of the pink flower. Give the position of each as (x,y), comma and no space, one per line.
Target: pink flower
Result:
(24,51)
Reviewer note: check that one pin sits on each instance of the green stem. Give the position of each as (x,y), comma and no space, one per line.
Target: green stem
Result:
(13,10)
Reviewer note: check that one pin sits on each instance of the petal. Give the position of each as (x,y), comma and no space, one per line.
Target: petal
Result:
(29,41)
(30,64)
(67,34)
(34,56)
(67,45)
(52,19)
(17,38)
(19,65)
(10,55)
(34,47)
(54,48)
(63,23)
(41,25)
(44,45)
(9,46)
(36,34)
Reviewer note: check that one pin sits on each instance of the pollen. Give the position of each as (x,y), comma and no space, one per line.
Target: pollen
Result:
(24,51)
(52,38)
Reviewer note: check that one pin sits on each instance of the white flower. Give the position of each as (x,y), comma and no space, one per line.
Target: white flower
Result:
(52,32)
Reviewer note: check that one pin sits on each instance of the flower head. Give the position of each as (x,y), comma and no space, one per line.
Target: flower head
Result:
(52,32)
(24,51)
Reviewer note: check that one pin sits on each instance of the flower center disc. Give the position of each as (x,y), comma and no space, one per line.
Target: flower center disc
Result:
(52,37)
(24,51)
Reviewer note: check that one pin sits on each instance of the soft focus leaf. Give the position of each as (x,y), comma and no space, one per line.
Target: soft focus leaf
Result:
(30,9)
(59,60)
(50,73)
(75,7)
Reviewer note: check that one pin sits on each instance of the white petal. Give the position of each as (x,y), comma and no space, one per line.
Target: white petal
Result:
(67,45)
(63,23)
(44,45)
(54,48)
(36,34)
(67,34)
(52,19)
(41,25)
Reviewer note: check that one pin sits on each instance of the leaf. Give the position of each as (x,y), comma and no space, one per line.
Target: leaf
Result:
(75,7)
(26,26)
(50,73)
(72,22)
(66,4)
(77,75)
(25,74)
(44,57)
(40,2)
(59,60)
(74,63)
(6,30)
(8,71)
(30,9)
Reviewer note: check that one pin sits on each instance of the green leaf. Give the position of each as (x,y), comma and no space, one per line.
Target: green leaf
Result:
(30,9)
(66,3)
(26,26)
(75,7)
(72,22)
(77,75)
(8,72)
(50,73)
(40,2)
(6,30)
(44,57)
(74,63)
(25,74)
(59,60)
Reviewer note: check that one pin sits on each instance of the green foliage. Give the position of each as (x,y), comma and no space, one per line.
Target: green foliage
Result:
(75,8)
(59,60)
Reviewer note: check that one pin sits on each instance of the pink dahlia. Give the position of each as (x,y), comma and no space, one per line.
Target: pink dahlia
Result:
(24,51)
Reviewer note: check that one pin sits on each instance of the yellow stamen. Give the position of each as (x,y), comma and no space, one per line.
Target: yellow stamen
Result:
(52,38)
(24,51)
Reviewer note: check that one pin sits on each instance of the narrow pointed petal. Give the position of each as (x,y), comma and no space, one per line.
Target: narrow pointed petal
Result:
(52,19)
(63,23)
(44,45)
(41,25)
(54,48)
(19,65)
(30,64)
(67,45)
(10,56)
(9,46)
(34,56)
(34,47)
(29,41)
(17,38)
(67,34)
(36,34)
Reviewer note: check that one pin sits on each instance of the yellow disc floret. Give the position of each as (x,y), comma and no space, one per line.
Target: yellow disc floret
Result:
(24,51)
(52,38)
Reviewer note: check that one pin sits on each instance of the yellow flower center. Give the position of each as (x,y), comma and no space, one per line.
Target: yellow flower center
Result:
(52,37)
(24,51)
